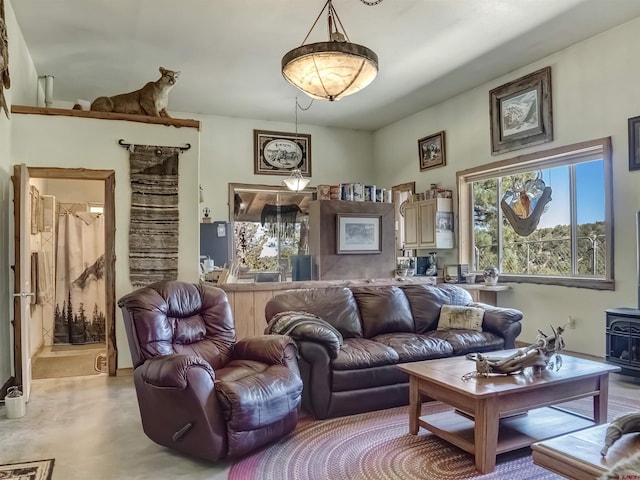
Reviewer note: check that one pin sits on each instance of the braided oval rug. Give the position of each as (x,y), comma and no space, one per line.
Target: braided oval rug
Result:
(377,446)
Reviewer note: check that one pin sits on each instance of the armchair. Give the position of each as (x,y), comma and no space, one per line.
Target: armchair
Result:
(199,391)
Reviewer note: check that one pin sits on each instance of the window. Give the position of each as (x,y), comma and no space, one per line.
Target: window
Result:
(541,218)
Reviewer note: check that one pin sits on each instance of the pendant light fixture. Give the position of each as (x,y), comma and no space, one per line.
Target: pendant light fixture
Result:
(334,69)
(295,181)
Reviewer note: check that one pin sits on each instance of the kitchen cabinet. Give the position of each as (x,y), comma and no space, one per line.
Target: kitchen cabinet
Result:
(429,224)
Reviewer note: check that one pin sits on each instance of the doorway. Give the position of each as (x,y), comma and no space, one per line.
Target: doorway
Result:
(67,337)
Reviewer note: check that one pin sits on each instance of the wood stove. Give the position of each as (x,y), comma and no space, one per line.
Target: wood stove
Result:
(623,339)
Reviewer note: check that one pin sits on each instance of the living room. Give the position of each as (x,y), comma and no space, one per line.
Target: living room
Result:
(594,94)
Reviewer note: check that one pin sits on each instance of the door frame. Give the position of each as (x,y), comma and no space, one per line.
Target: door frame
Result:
(109,179)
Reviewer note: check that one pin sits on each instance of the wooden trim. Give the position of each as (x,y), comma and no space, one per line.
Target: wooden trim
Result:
(109,179)
(110,269)
(124,372)
(605,142)
(175,122)
(577,282)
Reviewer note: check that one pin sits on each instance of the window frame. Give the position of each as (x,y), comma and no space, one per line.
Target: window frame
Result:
(535,161)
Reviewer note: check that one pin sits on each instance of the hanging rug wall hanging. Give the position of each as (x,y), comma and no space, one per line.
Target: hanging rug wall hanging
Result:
(155,219)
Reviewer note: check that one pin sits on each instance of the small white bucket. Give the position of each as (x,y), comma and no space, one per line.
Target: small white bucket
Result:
(14,403)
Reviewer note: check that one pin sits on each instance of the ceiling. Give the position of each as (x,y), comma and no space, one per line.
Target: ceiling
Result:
(229,51)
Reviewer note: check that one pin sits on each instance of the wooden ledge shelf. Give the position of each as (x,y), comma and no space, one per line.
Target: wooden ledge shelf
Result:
(174,122)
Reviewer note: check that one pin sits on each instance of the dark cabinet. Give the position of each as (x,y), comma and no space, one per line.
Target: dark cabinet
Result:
(623,339)
(215,242)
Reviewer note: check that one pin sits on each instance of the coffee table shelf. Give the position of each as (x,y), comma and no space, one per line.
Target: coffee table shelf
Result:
(504,412)
(515,432)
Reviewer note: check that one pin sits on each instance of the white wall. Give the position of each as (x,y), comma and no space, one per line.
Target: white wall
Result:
(70,142)
(595,90)
(23,78)
(227,157)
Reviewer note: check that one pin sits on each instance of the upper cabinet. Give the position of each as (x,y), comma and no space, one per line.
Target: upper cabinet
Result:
(429,224)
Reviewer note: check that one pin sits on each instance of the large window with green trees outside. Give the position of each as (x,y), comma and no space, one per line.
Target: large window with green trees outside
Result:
(541,216)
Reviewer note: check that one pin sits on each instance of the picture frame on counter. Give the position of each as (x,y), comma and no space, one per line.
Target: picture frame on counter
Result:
(277,153)
(432,151)
(520,112)
(358,233)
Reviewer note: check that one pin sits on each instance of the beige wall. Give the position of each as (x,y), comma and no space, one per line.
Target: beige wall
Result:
(227,157)
(595,90)
(594,93)
(70,142)
(23,81)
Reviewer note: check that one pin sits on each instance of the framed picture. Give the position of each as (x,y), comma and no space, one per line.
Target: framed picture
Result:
(521,112)
(431,151)
(277,153)
(358,233)
(634,143)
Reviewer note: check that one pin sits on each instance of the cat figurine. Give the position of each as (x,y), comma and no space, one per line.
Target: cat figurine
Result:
(151,100)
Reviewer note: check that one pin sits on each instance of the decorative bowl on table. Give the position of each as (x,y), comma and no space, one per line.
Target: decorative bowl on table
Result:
(491,275)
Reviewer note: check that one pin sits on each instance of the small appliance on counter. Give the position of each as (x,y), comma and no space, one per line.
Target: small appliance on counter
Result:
(456,273)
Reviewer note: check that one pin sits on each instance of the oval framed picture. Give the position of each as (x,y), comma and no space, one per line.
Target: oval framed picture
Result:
(277,153)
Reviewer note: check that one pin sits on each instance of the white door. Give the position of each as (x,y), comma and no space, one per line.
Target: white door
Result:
(22,284)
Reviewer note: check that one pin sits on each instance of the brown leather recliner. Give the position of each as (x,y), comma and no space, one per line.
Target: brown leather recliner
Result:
(199,391)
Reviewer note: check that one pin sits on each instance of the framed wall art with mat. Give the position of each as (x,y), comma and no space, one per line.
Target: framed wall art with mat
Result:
(36,470)
(520,112)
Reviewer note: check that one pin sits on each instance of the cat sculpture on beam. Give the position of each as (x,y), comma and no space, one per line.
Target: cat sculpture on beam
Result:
(150,100)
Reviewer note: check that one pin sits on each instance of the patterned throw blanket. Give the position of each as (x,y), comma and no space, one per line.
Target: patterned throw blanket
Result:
(306,326)
(153,231)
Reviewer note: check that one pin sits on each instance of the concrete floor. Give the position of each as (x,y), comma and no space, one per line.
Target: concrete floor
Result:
(91,427)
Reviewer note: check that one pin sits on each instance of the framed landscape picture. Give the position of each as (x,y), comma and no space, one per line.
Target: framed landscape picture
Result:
(521,112)
(358,233)
(277,153)
(634,143)
(431,151)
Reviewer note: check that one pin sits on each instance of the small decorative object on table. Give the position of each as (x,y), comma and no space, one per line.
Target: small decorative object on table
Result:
(540,355)
(491,275)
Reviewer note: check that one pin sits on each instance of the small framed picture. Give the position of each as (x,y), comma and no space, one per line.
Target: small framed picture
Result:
(358,233)
(634,143)
(277,153)
(520,112)
(431,151)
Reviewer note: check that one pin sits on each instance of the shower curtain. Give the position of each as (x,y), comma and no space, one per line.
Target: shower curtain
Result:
(80,287)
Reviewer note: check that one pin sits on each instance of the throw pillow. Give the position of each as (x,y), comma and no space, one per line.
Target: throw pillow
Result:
(460,317)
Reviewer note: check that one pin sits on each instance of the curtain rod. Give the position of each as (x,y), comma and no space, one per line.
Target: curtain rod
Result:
(127,145)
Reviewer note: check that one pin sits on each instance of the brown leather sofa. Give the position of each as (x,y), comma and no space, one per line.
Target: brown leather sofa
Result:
(349,352)
(199,391)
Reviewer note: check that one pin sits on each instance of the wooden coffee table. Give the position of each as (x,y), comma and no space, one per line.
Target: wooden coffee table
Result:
(501,413)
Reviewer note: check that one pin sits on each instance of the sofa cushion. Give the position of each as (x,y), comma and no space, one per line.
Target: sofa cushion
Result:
(334,305)
(363,353)
(460,317)
(467,341)
(349,380)
(413,347)
(383,309)
(425,302)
